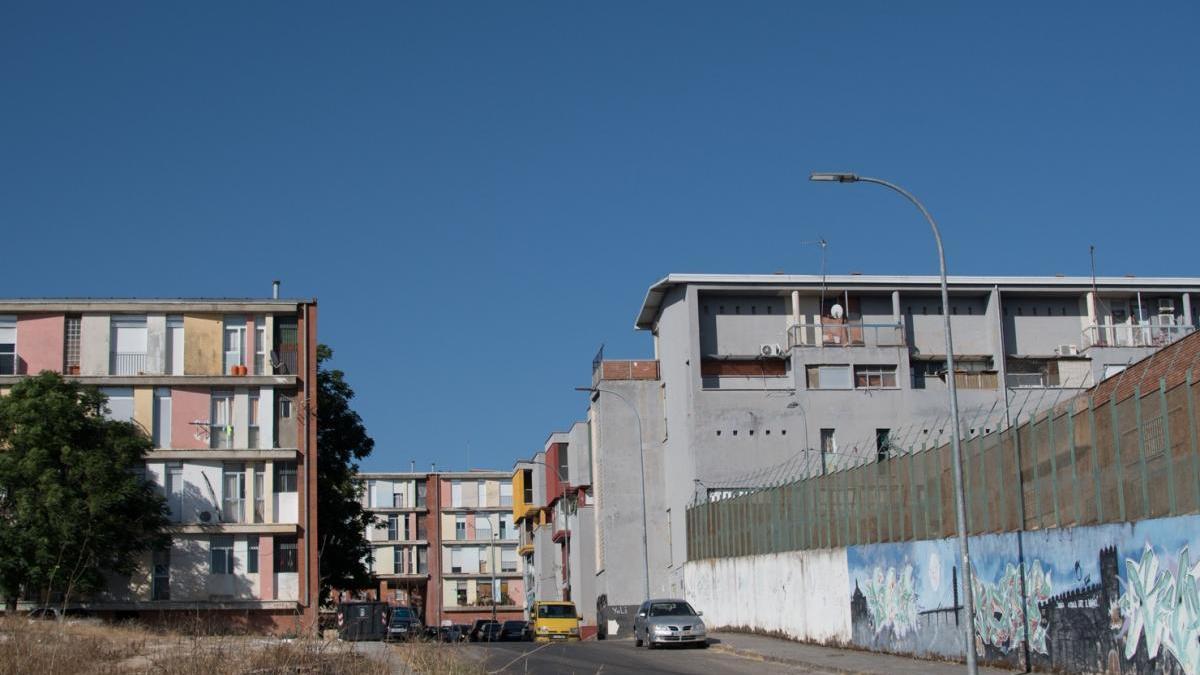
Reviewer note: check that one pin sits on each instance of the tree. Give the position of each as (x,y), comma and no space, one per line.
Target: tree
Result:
(342,440)
(74,506)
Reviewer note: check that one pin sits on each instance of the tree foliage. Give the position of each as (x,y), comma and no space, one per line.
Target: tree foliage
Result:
(342,440)
(73,507)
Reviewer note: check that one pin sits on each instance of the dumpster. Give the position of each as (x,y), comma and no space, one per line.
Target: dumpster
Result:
(362,620)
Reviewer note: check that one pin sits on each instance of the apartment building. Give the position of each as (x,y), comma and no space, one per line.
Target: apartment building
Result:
(225,390)
(445,544)
(554,513)
(755,376)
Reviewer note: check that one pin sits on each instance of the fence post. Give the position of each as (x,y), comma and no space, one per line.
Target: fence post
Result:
(1053,464)
(1037,473)
(1120,464)
(1074,469)
(1166,426)
(983,486)
(911,459)
(1095,458)
(1000,488)
(1141,435)
(1191,410)
(1020,482)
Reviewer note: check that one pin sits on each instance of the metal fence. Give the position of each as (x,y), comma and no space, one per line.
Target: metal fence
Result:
(1123,451)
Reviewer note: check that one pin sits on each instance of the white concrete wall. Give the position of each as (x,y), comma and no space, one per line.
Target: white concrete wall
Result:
(801,594)
(287,586)
(286,509)
(93,344)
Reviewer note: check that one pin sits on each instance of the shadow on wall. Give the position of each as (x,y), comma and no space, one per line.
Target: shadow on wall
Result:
(614,621)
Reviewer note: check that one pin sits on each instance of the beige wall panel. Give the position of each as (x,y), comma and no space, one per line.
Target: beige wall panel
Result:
(202,344)
(143,408)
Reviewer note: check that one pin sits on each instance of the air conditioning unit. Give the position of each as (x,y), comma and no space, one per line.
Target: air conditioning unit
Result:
(1166,305)
(1067,350)
(770,350)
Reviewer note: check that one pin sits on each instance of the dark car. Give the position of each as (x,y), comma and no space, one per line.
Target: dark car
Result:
(403,624)
(514,631)
(451,633)
(485,630)
(463,630)
(48,613)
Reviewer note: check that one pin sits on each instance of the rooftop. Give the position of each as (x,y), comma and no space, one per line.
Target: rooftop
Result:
(656,292)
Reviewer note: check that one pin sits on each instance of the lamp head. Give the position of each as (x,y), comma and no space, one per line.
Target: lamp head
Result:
(834,177)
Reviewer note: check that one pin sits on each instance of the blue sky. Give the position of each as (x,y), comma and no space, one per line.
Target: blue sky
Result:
(479,193)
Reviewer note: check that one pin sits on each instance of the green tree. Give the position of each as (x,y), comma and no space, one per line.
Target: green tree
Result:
(342,440)
(73,507)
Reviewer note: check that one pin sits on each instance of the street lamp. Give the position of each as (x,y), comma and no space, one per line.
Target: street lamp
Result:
(642,468)
(959,496)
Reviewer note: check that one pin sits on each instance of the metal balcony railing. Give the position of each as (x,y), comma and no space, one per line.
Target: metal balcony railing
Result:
(1128,335)
(850,334)
(128,363)
(1028,380)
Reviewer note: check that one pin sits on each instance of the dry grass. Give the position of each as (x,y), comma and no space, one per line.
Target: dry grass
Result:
(92,647)
(438,658)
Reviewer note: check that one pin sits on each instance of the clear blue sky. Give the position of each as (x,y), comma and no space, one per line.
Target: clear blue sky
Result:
(479,193)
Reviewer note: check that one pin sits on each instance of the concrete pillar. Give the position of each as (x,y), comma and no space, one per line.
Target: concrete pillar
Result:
(896,307)
(996,330)
(269,339)
(248,507)
(266,566)
(1187,309)
(1091,309)
(795,308)
(241,417)
(269,492)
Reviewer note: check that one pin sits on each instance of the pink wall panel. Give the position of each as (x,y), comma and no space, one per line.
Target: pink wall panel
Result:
(470,526)
(188,405)
(446,493)
(266,567)
(40,342)
(516,591)
(250,336)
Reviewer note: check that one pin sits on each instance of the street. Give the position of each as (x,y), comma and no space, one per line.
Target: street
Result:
(620,656)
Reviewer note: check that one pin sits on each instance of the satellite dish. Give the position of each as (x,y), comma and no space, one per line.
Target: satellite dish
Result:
(836,311)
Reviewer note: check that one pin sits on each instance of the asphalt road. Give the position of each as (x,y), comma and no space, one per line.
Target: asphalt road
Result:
(618,656)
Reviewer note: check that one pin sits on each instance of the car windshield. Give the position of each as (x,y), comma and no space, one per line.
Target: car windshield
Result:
(514,624)
(556,612)
(402,613)
(671,609)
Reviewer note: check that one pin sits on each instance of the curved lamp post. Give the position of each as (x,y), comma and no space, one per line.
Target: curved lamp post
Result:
(959,497)
(642,468)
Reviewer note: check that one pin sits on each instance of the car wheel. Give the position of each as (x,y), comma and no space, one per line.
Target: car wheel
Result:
(637,641)
(703,645)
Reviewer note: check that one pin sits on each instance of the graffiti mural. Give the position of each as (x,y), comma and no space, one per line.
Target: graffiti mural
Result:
(1160,606)
(891,600)
(1002,605)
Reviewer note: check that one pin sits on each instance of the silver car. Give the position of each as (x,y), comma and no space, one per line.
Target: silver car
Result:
(668,622)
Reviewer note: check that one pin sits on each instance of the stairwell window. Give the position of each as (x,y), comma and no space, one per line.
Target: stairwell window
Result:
(285,555)
(220,430)
(71,345)
(221,554)
(285,476)
(252,554)
(829,377)
(129,338)
(875,377)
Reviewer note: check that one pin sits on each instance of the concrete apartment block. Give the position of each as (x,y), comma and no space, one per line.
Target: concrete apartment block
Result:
(232,452)
(445,544)
(757,377)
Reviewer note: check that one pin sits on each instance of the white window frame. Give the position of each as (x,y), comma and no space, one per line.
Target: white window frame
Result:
(221,419)
(877,376)
(235,327)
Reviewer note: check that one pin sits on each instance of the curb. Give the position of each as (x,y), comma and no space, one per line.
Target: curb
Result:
(807,665)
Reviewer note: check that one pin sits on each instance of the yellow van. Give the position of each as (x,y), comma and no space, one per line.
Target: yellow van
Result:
(554,620)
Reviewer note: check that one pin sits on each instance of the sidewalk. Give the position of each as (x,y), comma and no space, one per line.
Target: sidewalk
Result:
(833,660)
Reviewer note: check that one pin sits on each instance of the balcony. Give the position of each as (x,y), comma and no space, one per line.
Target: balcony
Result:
(850,334)
(1128,335)
(624,370)
(128,363)
(1028,380)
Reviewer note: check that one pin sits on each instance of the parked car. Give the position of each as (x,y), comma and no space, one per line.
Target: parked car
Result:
(514,631)
(668,622)
(47,613)
(555,620)
(451,633)
(463,631)
(403,624)
(485,630)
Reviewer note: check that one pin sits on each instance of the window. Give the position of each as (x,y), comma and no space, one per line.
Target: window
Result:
(828,442)
(173,487)
(883,444)
(174,345)
(252,554)
(285,407)
(286,555)
(259,494)
(875,377)
(421,493)
(162,417)
(456,558)
(482,493)
(483,593)
(829,377)
(506,494)
(460,593)
(527,486)
(71,342)
(393,527)
(221,554)
(421,533)
(235,343)
(506,527)
(120,403)
(483,528)
(252,415)
(422,561)
(398,560)
(398,500)
(160,584)
(128,345)
(220,426)
(508,560)
(456,497)
(233,495)
(460,528)
(260,346)
(285,476)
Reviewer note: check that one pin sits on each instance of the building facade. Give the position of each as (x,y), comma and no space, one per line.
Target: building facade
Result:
(225,389)
(445,544)
(758,378)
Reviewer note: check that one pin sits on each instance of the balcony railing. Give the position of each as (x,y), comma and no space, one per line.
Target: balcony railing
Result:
(1017,380)
(851,334)
(128,363)
(1127,335)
